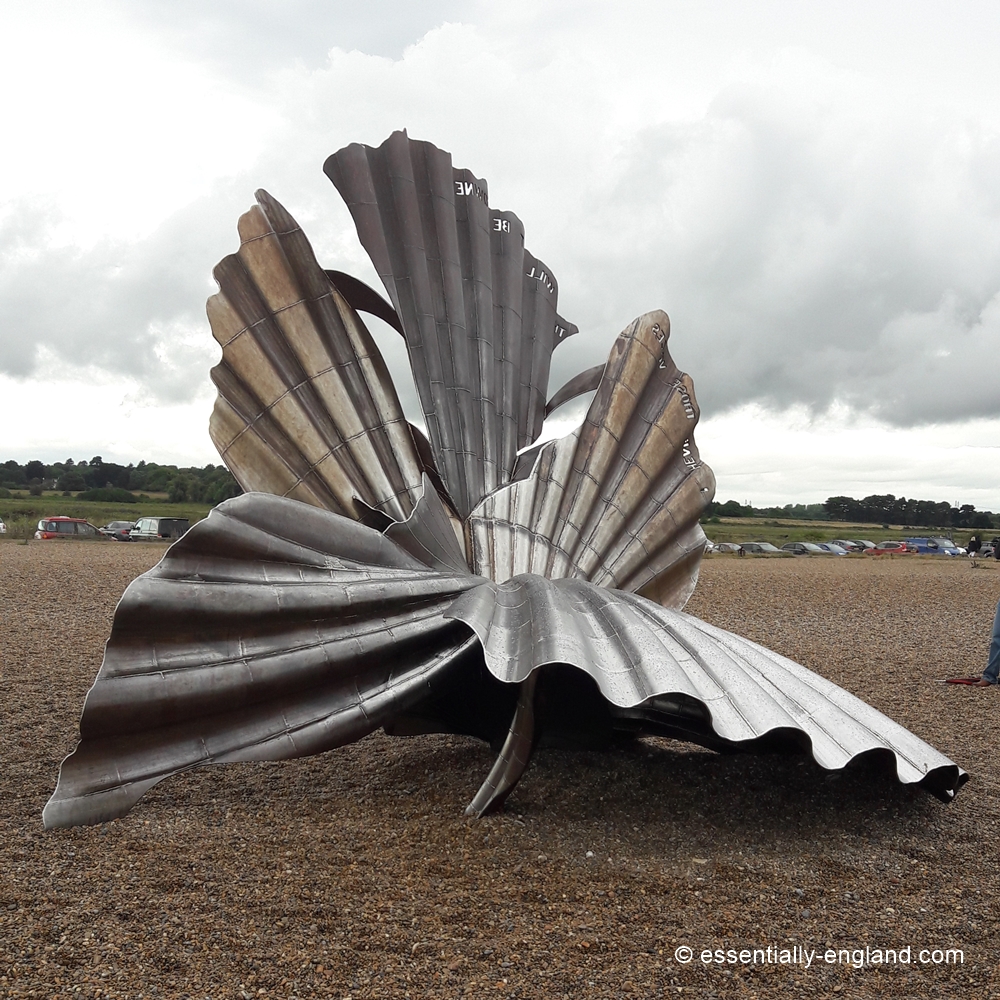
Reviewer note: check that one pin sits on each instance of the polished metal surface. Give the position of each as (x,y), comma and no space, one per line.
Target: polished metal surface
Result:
(617,501)
(306,408)
(272,629)
(645,657)
(461,582)
(478,310)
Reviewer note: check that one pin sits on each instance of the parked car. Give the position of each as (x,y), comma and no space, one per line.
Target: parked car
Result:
(727,547)
(832,548)
(864,543)
(890,548)
(803,549)
(933,546)
(66,527)
(847,545)
(3,527)
(117,530)
(159,529)
(760,548)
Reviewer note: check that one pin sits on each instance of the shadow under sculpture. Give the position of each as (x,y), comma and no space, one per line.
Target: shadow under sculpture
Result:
(463,581)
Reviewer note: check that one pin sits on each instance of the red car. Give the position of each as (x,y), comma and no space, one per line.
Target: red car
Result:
(66,527)
(890,549)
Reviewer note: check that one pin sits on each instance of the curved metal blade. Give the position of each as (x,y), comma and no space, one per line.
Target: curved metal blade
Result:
(643,656)
(514,756)
(272,629)
(586,381)
(477,309)
(364,298)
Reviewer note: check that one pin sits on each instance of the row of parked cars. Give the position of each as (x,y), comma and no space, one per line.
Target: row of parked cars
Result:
(843,546)
(146,529)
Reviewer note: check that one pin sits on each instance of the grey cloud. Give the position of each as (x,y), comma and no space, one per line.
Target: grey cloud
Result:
(805,257)
(137,308)
(808,251)
(129,308)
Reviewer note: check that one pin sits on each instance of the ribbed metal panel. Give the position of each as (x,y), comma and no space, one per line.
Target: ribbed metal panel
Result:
(271,630)
(306,408)
(616,502)
(478,311)
(643,656)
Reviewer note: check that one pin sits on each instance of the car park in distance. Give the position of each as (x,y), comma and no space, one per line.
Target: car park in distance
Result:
(804,549)
(66,527)
(933,546)
(3,527)
(726,547)
(864,544)
(117,530)
(890,548)
(760,548)
(159,529)
(832,548)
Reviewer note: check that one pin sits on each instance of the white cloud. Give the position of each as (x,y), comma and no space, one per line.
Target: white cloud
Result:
(110,124)
(771,459)
(54,418)
(812,195)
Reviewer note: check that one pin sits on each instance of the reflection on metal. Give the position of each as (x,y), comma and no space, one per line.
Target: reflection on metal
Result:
(478,310)
(306,408)
(649,661)
(617,501)
(464,582)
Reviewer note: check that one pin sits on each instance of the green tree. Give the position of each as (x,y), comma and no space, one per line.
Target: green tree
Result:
(71,481)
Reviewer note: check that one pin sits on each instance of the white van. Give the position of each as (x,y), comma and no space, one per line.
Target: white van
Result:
(159,529)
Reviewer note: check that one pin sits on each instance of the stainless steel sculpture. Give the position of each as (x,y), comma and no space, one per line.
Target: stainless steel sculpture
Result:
(462,582)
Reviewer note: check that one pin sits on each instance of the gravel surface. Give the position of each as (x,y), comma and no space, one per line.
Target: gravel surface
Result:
(355,874)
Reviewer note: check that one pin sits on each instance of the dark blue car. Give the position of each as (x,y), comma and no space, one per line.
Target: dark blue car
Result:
(934,546)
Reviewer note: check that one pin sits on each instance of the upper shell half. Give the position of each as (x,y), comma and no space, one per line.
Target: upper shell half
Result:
(307,410)
(617,502)
(477,309)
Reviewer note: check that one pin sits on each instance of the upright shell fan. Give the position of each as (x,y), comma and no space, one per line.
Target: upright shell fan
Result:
(465,582)
(478,311)
(306,408)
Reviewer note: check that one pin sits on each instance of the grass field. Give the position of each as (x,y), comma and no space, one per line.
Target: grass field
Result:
(21,514)
(777,532)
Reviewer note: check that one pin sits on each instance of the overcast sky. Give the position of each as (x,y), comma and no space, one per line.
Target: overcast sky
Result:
(811,191)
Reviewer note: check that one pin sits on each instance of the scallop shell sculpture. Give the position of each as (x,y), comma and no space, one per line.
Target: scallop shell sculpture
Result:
(468,581)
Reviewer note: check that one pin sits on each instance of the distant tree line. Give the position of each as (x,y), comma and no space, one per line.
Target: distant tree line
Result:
(796,511)
(898,510)
(211,485)
(871,510)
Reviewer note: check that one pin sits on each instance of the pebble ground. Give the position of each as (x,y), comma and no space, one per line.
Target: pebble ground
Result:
(355,874)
